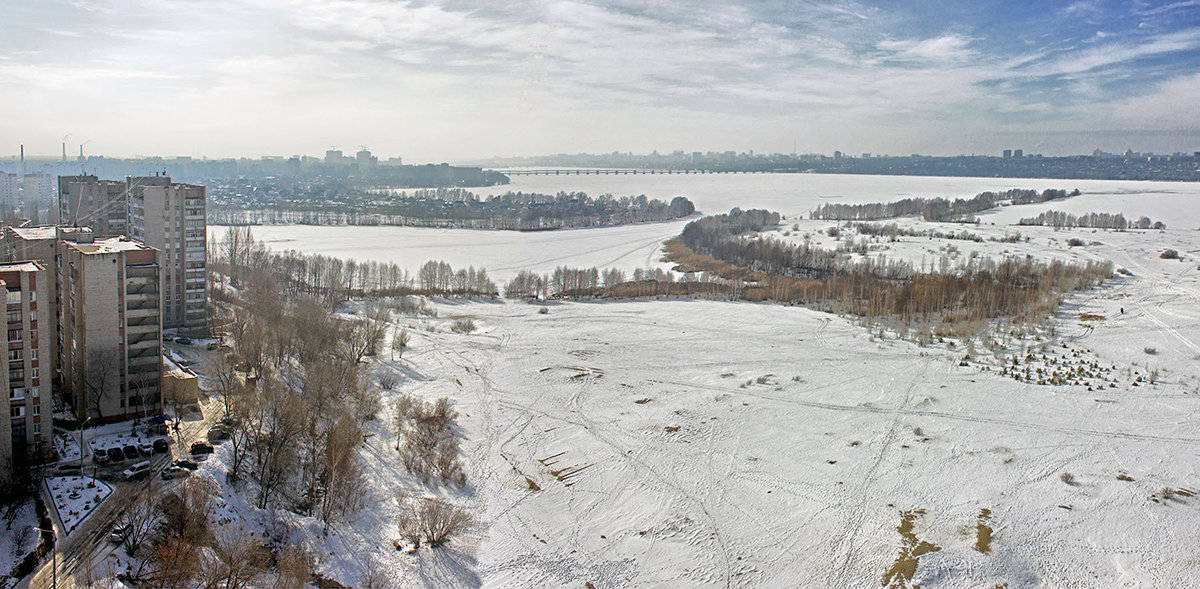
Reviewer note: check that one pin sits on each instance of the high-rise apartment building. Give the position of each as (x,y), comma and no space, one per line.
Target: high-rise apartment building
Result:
(26,406)
(37,192)
(159,213)
(92,202)
(10,194)
(110,328)
(171,218)
(40,244)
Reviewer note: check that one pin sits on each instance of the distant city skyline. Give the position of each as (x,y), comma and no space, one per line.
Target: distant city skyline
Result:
(455,81)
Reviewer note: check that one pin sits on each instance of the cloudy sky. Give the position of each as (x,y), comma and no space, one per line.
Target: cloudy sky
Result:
(450,80)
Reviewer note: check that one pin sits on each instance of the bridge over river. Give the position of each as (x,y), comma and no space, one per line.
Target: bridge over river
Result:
(614,171)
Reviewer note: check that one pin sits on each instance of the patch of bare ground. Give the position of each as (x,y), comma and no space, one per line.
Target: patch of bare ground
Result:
(901,573)
(983,531)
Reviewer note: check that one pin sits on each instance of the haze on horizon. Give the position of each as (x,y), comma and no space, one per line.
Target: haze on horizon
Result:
(447,80)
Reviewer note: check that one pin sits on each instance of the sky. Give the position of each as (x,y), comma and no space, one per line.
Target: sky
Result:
(450,80)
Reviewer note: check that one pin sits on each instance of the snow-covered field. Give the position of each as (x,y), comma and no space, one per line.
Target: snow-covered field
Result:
(672,443)
(504,253)
(76,497)
(699,443)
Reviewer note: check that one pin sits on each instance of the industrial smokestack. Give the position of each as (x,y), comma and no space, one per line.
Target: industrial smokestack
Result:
(64,152)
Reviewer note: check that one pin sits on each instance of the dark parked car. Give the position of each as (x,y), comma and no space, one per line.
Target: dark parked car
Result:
(100,457)
(146,449)
(201,448)
(218,433)
(161,445)
(115,454)
(188,464)
(131,452)
(183,340)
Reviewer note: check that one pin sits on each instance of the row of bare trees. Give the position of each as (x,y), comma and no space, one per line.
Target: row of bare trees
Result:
(937,209)
(333,281)
(981,289)
(1113,221)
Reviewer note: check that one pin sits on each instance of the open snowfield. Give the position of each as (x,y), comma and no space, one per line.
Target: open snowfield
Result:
(698,443)
(504,253)
(676,443)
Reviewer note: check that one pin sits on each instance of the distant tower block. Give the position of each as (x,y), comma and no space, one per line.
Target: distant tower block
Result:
(1007,153)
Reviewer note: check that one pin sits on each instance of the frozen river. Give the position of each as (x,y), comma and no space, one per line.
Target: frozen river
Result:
(504,253)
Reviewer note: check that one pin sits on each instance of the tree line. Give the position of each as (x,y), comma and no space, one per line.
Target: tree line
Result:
(982,289)
(457,208)
(937,209)
(331,280)
(1112,221)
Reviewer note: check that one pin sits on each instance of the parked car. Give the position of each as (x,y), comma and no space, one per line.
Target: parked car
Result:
(146,449)
(187,341)
(185,463)
(136,471)
(218,433)
(161,445)
(200,448)
(174,472)
(213,345)
(131,452)
(118,534)
(115,454)
(100,457)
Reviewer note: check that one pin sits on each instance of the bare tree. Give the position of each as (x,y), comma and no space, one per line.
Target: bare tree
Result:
(235,563)
(100,377)
(176,565)
(433,521)
(400,343)
(295,566)
(186,510)
(142,516)
(345,484)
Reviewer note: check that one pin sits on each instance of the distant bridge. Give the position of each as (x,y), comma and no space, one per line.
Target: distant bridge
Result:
(613,171)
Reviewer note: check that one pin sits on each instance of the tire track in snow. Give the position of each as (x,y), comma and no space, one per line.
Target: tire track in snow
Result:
(950,416)
(859,514)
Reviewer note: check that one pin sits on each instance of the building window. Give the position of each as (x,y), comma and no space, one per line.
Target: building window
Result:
(14,335)
(18,374)
(16,411)
(14,296)
(33,392)
(35,372)
(14,316)
(37,410)
(16,394)
(37,429)
(14,355)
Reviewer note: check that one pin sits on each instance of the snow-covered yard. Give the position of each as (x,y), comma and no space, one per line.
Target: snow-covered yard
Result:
(67,446)
(76,497)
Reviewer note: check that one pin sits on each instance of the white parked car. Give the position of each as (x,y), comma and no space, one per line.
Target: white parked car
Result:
(136,471)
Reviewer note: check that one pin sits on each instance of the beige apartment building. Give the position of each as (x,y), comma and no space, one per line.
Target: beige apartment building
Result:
(171,217)
(26,406)
(92,202)
(160,213)
(110,328)
(40,245)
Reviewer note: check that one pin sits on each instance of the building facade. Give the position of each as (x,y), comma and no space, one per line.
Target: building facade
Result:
(171,218)
(10,194)
(27,403)
(92,202)
(110,328)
